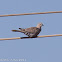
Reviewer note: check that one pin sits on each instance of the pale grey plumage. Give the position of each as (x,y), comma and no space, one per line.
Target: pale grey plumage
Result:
(32,31)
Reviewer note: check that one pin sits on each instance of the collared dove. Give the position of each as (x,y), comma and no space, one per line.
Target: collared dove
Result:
(32,31)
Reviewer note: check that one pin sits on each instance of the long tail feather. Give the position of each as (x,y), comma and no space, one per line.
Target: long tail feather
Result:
(16,30)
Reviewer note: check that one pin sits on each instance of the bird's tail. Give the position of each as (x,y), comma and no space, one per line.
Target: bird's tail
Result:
(16,30)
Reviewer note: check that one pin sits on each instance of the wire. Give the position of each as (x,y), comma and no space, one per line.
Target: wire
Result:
(29,37)
(31,13)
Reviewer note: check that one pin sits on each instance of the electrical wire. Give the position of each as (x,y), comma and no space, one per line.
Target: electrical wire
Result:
(29,37)
(31,13)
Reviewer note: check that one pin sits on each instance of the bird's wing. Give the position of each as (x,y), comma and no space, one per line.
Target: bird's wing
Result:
(32,30)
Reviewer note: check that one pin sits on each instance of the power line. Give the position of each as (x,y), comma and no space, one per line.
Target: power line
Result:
(29,37)
(31,13)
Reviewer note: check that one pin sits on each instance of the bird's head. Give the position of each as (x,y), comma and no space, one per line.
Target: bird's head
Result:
(39,25)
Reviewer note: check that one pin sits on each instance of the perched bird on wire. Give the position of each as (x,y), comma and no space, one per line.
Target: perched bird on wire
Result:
(32,31)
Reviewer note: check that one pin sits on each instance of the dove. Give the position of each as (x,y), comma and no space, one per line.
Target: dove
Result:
(32,31)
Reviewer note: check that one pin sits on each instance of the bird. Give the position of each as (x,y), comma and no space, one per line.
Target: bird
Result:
(32,31)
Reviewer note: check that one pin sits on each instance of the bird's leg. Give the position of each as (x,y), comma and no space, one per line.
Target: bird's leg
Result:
(27,37)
